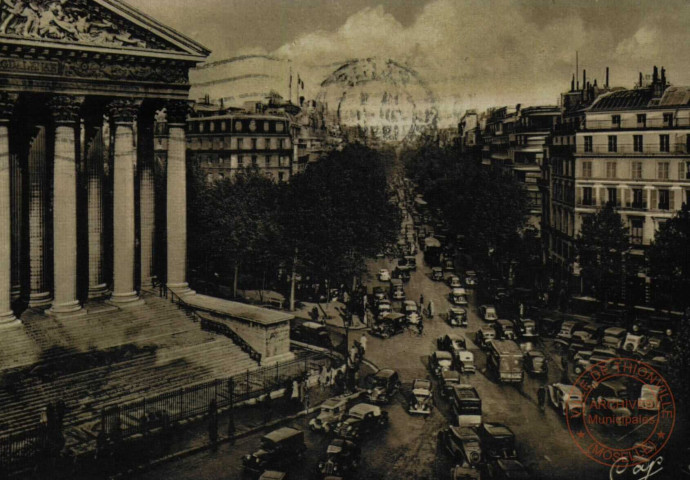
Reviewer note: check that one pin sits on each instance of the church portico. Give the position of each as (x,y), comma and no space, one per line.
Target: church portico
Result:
(81,86)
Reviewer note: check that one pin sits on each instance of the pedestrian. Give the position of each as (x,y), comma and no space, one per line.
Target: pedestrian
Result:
(541,397)
(431,309)
(323,377)
(314,314)
(420,327)
(363,342)
(421,301)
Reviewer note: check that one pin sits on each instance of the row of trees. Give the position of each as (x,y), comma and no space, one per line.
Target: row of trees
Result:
(323,224)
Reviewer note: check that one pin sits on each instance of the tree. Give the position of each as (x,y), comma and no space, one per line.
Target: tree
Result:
(669,260)
(601,247)
(338,213)
(679,363)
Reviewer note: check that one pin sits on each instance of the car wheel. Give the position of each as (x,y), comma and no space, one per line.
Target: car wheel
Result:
(578,369)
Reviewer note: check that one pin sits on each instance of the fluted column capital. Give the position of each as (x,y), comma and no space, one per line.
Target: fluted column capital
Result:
(7,103)
(65,108)
(177,111)
(124,110)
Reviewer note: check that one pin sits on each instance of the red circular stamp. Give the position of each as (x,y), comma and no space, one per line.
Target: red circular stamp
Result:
(620,411)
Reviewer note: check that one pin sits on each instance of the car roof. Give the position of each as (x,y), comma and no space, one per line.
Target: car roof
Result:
(498,429)
(410,302)
(442,354)
(487,329)
(386,372)
(454,336)
(272,475)
(436,269)
(503,321)
(614,330)
(364,408)
(281,434)
(333,402)
(312,325)
(457,310)
(464,432)
(450,374)
(570,389)
(535,353)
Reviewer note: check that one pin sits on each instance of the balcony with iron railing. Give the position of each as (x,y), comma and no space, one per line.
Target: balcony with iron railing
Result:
(628,206)
(645,149)
(633,124)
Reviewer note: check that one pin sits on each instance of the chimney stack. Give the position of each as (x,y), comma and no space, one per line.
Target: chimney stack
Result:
(663,77)
(606,85)
(584,78)
(572,83)
(655,75)
(640,79)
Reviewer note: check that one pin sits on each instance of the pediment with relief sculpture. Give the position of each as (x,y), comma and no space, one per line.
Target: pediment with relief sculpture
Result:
(108,24)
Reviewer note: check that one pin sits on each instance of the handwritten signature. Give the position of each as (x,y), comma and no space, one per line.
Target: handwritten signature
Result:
(641,471)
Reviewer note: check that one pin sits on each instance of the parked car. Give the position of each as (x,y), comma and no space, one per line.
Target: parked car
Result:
(383,307)
(389,325)
(457,317)
(397,290)
(470,279)
(403,264)
(378,294)
(649,398)
(420,399)
(462,443)
(437,274)
(342,458)
(384,275)
(448,265)
(382,386)
(439,361)
(312,333)
(279,450)
(462,472)
(467,405)
(535,363)
(484,335)
(566,398)
(527,327)
(567,329)
(447,380)
(614,337)
(549,327)
(273,475)
(497,441)
(361,420)
(465,361)
(452,343)
(330,413)
(410,306)
(411,261)
(507,469)
(633,343)
(488,313)
(454,282)
(458,296)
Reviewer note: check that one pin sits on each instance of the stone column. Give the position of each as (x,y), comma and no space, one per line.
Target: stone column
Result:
(65,111)
(176,180)
(123,114)
(147,192)
(7,317)
(95,156)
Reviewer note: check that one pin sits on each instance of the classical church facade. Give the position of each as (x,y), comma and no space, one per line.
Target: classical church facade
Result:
(93,105)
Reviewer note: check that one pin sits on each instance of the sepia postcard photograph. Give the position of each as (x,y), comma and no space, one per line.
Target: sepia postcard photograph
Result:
(344,239)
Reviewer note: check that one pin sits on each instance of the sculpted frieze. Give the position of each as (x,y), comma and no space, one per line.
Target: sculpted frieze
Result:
(77,21)
(113,71)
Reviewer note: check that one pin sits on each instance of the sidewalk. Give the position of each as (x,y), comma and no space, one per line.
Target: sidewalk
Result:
(335,314)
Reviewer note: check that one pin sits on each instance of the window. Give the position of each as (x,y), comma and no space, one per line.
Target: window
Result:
(238,126)
(254,143)
(613,143)
(223,126)
(636,228)
(212,126)
(612,196)
(641,119)
(240,162)
(254,160)
(663,171)
(668,119)
(281,143)
(281,176)
(638,198)
(664,143)
(637,170)
(586,169)
(687,171)
(240,143)
(610,169)
(587,196)
(267,126)
(201,127)
(637,143)
(588,143)
(616,120)
(268,160)
(664,199)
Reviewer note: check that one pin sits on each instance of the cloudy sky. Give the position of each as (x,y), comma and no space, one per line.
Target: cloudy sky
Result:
(473,53)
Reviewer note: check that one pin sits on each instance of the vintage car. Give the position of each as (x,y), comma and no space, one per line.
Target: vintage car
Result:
(411,259)
(382,386)
(342,458)
(614,337)
(466,405)
(331,412)
(420,399)
(607,399)
(273,475)
(409,307)
(465,361)
(378,294)
(566,398)
(497,441)
(452,343)
(535,363)
(505,330)
(447,380)
(488,313)
(633,343)
(389,325)
(437,274)
(361,420)
(279,449)
(484,335)
(397,289)
(439,361)
(567,329)
(458,296)
(463,445)
(383,307)
(404,264)
(649,398)
(470,279)
(507,469)
(448,265)
(457,317)
(454,282)
(384,275)
(527,327)
(461,472)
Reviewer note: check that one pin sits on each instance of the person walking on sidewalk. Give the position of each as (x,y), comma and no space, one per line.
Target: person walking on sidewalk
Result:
(363,342)
(421,301)
(541,397)
(431,309)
